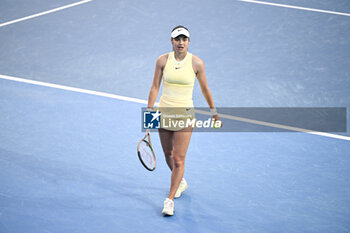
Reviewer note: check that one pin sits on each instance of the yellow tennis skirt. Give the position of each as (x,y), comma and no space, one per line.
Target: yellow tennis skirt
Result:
(176,114)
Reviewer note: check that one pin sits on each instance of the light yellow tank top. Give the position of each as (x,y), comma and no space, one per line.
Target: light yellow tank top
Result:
(178,82)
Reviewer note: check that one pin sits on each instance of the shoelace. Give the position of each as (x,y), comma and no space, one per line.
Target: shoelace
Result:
(169,204)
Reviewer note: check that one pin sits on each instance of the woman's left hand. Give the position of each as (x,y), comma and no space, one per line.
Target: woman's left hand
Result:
(217,118)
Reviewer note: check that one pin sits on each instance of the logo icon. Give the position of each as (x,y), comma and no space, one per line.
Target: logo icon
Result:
(151,119)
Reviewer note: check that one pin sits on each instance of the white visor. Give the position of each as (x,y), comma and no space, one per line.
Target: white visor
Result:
(180,31)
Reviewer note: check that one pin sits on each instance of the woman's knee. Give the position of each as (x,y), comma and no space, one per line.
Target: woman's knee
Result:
(179,160)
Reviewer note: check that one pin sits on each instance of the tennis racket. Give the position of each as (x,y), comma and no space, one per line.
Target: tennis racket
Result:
(146,154)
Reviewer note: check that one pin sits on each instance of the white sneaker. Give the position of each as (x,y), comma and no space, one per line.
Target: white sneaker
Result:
(183,186)
(168,209)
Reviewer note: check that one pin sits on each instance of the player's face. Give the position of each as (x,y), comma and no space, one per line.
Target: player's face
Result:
(180,43)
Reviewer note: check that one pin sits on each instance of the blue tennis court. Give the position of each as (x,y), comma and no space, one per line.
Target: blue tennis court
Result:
(73,80)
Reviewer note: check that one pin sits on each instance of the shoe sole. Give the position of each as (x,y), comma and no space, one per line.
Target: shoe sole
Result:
(167,214)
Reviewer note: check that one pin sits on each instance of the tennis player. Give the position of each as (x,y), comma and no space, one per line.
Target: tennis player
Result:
(178,69)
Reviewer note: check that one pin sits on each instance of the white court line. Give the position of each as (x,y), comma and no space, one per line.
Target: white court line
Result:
(135,100)
(67,88)
(273,125)
(296,7)
(44,13)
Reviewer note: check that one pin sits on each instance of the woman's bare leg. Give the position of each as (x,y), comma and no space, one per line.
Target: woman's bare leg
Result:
(166,139)
(181,140)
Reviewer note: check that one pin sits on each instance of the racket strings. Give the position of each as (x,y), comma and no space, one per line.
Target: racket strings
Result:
(146,155)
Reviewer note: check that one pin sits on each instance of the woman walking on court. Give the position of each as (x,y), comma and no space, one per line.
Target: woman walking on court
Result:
(178,69)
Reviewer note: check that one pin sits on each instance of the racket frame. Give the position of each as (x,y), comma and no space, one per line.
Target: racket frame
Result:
(149,143)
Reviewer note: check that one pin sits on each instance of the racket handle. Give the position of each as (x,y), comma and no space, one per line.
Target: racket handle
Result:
(148,133)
